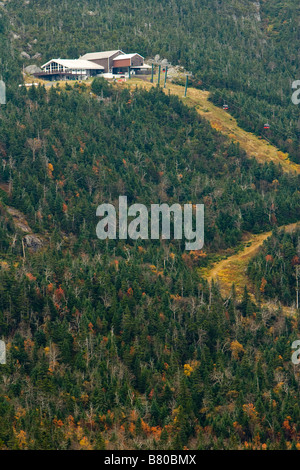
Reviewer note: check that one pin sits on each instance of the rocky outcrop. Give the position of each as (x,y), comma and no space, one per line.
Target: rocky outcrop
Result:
(33,242)
(31,69)
(24,55)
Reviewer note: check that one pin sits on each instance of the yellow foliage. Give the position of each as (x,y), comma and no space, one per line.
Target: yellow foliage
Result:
(85,443)
(187,369)
(50,169)
(22,439)
(278,387)
(21,412)
(236,349)
(175,297)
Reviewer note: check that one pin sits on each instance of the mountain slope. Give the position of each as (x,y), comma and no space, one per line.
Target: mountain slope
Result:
(220,120)
(123,344)
(233,270)
(243,51)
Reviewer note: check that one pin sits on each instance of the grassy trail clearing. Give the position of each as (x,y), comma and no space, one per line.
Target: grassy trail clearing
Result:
(222,121)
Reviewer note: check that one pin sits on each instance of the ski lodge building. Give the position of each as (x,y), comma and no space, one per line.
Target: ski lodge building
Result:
(68,69)
(94,64)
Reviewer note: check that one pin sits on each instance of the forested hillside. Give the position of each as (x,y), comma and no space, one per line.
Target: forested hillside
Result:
(66,153)
(245,51)
(274,270)
(122,344)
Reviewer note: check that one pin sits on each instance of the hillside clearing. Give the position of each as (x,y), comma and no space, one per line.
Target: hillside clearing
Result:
(226,124)
(233,269)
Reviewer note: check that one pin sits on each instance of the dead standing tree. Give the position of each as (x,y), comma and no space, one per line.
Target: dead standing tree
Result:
(35,145)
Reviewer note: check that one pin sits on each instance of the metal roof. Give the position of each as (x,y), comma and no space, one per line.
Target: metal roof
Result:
(77,64)
(145,66)
(99,55)
(127,56)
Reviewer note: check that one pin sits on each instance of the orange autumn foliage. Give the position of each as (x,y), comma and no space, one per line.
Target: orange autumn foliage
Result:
(154,431)
(59,293)
(250,410)
(130,291)
(58,423)
(263,285)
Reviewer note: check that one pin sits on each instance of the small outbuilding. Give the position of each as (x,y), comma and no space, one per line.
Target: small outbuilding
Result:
(122,62)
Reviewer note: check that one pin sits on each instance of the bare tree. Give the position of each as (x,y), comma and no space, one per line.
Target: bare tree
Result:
(34,145)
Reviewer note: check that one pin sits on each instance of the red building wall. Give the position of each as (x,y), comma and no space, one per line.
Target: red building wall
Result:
(121,63)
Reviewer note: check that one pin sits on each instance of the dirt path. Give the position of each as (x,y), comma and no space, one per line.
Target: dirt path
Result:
(226,124)
(233,269)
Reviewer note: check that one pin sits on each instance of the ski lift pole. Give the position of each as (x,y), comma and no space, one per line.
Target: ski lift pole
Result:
(186,85)
(152,73)
(158,81)
(166,73)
